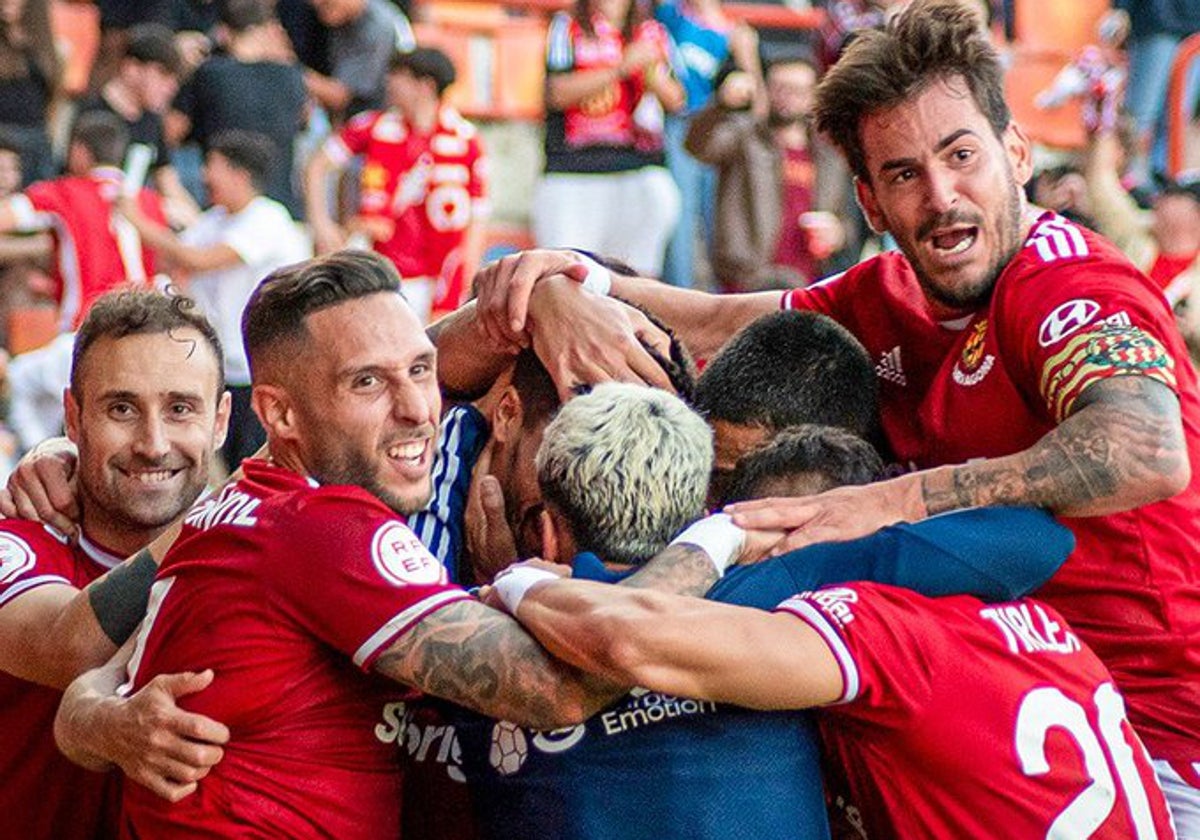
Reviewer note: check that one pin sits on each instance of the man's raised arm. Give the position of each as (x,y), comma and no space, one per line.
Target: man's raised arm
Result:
(482,659)
(1121,447)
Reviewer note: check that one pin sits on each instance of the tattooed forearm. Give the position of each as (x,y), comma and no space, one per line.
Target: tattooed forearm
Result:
(683,569)
(480,658)
(1121,448)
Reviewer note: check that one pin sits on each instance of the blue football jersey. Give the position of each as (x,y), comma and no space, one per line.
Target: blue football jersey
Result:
(440,525)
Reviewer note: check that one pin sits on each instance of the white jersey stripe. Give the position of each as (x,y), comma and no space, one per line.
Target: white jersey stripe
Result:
(30,583)
(817,620)
(402,621)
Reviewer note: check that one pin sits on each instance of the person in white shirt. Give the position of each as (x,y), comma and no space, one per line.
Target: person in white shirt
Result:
(221,258)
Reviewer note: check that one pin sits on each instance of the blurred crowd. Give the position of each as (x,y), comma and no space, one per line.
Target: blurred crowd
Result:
(219,139)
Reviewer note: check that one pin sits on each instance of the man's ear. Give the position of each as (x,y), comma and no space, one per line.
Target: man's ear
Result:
(1020,152)
(274,408)
(72,413)
(870,207)
(550,547)
(221,420)
(507,416)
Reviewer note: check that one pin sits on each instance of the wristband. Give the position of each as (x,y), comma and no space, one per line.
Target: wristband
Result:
(599,278)
(512,585)
(720,539)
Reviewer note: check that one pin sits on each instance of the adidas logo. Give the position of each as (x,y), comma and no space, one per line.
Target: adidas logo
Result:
(889,367)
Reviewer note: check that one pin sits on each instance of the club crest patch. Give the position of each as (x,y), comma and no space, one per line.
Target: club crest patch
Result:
(402,559)
(16,557)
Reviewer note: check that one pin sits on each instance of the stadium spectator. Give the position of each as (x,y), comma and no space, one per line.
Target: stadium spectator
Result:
(706,41)
(1022,359)
(1164,243)
(362,36)
(219,260)
(346,387)
(608,84)
(139,94)
(29,82)
(1155,30)
(94,250)
(422,190)
(783,197)
(620,469)
(226,92)
(146,409)
(24,258)
(191,21)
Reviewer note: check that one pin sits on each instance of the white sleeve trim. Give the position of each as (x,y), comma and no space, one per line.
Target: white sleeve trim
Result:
(30,583)
(403,620)
(337,151)
(809,614)
(28,218)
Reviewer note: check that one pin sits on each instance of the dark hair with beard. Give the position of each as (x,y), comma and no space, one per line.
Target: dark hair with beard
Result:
(141,312)
(273,320)
(791,368)
(833,456)
(929,41)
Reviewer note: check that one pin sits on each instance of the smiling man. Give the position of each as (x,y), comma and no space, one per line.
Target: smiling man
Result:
(1021,360)
(305,592)
(146,407)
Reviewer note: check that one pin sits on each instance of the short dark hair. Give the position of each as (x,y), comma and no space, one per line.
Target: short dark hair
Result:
(787,369)
(104,135)
(249,151)
(931,40)
(539,397)
(838,457)
(141,312)
(153,43)
(276,310)
(9,142)
(240,15)
(426,63)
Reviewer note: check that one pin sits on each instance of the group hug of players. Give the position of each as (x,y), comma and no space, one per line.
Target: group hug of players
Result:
(294,655)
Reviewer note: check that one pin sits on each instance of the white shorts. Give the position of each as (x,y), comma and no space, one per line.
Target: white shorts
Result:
(1181,784)
(419,291)
(626,215)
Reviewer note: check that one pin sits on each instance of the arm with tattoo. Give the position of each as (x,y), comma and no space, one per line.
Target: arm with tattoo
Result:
(1121,448)
(482,659)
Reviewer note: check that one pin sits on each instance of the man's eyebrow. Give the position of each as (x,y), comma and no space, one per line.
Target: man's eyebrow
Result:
(901,163)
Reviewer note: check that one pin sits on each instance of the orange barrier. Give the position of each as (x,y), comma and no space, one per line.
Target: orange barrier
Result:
(1031,72)
(1178,120)
(76,29)
(1059,25)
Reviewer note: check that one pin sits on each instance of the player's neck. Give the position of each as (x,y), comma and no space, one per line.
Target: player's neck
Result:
(112,536)
(422,117)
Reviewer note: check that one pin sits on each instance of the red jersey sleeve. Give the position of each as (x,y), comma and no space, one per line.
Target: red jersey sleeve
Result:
(880,646)
(1072,311)
(353,138)
(28,561)
(355,576)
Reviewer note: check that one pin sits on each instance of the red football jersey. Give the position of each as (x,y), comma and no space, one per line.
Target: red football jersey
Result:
(1068,311)
(606,118)
(97,250)
(965,719)
(288,591)
(430,186)
(44,794)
